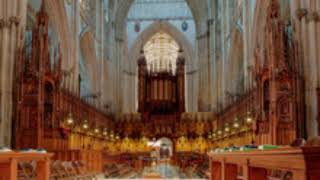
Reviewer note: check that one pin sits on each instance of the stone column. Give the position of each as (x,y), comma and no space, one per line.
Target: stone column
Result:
(309,59)
(204,102)
(317,19)
(311,87)
(76,48)
(12,24)
(246,29)
(118,77)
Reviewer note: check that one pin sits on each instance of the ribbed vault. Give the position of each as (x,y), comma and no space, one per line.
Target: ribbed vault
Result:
(198,8)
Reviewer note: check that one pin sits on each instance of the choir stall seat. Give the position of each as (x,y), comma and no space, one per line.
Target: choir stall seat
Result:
(23,165)
(302,163)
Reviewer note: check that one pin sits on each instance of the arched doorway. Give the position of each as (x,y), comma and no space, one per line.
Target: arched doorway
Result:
(163,148)
(166,148)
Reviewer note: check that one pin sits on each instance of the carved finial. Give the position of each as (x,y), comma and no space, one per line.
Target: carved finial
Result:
(43,6)
(180,60)
(142,58)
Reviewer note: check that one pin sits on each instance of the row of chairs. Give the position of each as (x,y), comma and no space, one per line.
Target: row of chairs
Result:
(59,170)
(119,171)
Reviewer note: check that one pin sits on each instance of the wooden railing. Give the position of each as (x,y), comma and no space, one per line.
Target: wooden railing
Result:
(302,163)
(9,164)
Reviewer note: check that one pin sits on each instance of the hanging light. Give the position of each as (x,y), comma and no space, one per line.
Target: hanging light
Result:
(69,119)
(105,132)
(226,128)
(236,124)
(214,135)
(111,135)
(85,125)
(96,130)
(219,132)
(249,118)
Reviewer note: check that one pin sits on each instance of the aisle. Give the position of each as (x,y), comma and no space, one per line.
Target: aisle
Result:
(162,171)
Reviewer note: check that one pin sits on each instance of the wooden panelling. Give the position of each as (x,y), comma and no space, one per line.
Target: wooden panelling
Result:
(303,163)
(9,164)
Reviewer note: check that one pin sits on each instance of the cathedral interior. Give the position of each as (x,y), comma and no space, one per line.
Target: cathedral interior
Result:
(160,89)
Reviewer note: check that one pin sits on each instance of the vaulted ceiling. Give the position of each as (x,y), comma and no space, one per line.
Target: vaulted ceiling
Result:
(198,8)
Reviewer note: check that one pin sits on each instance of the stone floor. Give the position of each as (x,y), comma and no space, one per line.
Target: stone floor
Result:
(161,171)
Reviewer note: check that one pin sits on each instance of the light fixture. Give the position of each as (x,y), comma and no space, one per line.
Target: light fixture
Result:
(236,124)
(85,125)
(219,132)
(226,128)
(111,135)
(69,119)
(97,130)
(249,118)
(105,132)
(214,135)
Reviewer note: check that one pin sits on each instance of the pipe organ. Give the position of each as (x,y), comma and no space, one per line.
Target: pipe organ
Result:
(161,91)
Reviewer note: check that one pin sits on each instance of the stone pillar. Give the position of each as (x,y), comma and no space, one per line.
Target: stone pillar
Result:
(204,103)
(212,52)
(12,24)
(309,60)
(317,19)
(118,77)
(311,83)
(246,29)
(75,47)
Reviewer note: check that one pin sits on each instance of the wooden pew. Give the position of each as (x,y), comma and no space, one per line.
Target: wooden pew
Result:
(303,163)
(91,159)
(9,164)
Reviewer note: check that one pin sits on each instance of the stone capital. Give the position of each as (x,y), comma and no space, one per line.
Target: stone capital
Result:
(14,20)
(312,16)
(4,23)
(302,12)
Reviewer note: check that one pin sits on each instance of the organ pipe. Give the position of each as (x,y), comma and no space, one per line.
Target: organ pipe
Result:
(161,89)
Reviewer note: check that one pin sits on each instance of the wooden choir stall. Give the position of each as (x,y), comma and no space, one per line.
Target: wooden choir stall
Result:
(9,162)
(51,118)
(297,163)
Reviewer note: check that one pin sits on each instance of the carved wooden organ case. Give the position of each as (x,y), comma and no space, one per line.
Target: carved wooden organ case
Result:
(161,97)
(38,84)
(279,82)
(161,92)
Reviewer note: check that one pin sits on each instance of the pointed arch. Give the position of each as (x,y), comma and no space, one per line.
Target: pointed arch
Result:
(166,27)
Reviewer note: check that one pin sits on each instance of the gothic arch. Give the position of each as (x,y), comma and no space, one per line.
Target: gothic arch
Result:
(199,11)
(166,27)
(191,65)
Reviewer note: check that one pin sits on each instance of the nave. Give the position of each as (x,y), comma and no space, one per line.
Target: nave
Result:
(159,89)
